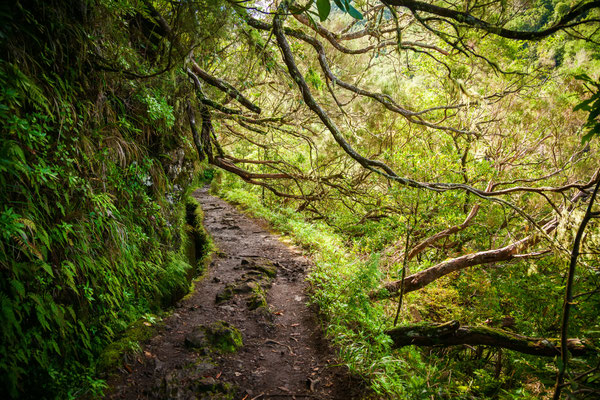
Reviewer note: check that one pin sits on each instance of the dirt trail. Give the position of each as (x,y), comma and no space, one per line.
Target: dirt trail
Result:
(283,354)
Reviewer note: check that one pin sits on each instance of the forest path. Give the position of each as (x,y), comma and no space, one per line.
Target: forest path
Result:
(283,356)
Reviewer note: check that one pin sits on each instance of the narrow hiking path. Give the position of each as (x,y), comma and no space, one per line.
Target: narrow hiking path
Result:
(283,353)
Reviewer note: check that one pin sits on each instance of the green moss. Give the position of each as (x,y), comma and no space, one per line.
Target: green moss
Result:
(224,337)
(129,342)
(220,337)
(192,289)
(216,182)
(201,246)
(225,294)
(428,329)
(266,267)
(173,281)
(257,298)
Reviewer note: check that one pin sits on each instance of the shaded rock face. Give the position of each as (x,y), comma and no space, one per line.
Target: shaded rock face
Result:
(219,336)
(197,340)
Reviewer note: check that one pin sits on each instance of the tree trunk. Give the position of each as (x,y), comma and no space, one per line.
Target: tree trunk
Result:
(452,334)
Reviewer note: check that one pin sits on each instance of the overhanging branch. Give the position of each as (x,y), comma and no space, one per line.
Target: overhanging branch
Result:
(567,21)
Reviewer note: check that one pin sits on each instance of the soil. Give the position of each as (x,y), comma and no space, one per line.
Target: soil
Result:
(283,356)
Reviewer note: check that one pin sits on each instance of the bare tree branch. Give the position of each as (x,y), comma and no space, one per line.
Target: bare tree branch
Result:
(225,87)
(423,278)
(567,21)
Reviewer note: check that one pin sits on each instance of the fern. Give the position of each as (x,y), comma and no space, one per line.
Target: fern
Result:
(9,319)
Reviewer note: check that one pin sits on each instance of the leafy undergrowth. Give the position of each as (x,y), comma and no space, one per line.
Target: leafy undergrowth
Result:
(340,282)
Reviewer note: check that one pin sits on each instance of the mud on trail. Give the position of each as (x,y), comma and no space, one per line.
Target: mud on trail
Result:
(253,290)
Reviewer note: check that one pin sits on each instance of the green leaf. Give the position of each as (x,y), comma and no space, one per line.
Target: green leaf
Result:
(41,316)
(19,287)
(583,77)
(324,8)
(48,269)
(55,346)
(584,105)
(560,364)
(354,12)
(593,132)
(340,5)
(313,23)
(594,110)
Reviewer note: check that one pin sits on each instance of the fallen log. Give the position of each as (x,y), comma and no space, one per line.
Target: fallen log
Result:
(452,334)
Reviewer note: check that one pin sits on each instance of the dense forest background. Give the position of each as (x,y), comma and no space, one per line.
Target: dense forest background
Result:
(436,159)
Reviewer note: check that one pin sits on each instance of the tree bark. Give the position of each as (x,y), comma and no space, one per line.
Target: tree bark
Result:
(423,278)
(564,326)
(452,334)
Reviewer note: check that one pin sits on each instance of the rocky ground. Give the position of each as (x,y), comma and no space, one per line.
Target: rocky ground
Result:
(245,332)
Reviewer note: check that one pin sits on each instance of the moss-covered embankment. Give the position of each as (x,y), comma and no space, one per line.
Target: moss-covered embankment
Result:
(195,253)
